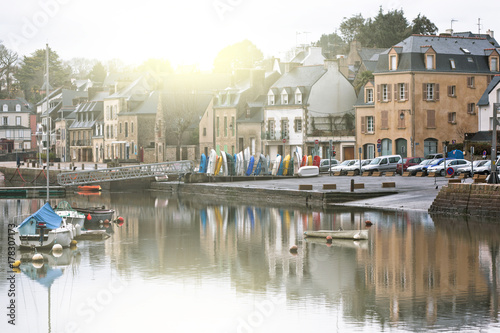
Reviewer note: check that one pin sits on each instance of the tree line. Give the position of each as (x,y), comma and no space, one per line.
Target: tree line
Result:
(24,75)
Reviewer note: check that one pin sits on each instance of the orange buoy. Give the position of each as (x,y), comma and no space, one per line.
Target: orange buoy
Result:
(368,222)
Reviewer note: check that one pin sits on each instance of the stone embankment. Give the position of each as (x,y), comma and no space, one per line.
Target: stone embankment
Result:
(468,199)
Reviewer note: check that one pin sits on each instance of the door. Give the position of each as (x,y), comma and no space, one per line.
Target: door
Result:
(401,147)
(348,153)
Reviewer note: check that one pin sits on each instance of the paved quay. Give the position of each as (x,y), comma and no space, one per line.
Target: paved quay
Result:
(413,193)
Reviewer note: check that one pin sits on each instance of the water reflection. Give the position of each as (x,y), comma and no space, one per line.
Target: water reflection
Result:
(227,268)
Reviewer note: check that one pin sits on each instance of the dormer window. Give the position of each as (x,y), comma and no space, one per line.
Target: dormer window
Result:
(369,95)
(429,61)
(284,98)
(18,107)
(270,99)
(393,64)
(494,64)
(298,98)
(5,108)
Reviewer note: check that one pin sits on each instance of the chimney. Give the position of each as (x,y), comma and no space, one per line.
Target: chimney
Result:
(491,33)
(331,64)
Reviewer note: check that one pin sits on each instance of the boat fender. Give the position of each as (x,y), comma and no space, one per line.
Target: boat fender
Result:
(357,236)
(57,250)
(89,217)
(16,263)
(37,257)
(368,222)
(293,249)
(328,239)
(73,242)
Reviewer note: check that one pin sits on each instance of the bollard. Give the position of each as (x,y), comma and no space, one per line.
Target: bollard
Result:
(352,185)
(83,166)
(58,166)
(95,166)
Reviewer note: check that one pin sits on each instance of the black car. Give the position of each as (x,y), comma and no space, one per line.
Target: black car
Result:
(324,164)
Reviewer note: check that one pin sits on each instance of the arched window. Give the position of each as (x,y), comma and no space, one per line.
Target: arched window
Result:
(5,108)
(18,107)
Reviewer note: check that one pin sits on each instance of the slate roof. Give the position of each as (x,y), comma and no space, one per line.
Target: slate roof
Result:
(25,106)
(149,106)
(484,100)
(360,101)
(468,54)
(96,107)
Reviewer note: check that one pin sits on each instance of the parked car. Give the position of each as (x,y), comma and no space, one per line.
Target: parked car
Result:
(383,163)
(418,167)
(455,164)
(406,162)
(325,164)
(434,156)
(355,167)
(433,162)
(475,165)
(340,167)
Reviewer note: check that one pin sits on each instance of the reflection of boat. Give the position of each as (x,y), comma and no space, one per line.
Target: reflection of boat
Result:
(338,234)
(89,188)
(340,243)
(43,229)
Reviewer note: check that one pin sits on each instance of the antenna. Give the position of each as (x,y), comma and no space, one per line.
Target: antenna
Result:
(479,26)
(452,20)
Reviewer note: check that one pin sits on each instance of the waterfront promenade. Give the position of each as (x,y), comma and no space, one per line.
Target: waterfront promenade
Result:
(409,193)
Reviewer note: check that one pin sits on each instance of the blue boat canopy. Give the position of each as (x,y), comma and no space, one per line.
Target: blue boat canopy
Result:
(46,215)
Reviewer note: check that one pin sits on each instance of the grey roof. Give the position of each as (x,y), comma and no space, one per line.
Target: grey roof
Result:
(100,96)
(25,106)
(304,76)
(69,95)
(134,91)
(96,107)
(468,54)
(492,40)
(149,106)
(112,78)
(484,100)
(368,54)
(360,101)
(481,136)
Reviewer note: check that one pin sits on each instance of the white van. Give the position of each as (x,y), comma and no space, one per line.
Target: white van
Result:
(383,163)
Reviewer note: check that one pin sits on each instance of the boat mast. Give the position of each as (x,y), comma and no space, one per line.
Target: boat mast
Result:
(47,91)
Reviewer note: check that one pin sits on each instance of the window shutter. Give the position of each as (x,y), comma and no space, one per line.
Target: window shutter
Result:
(431,119)
(363,130)
(469,81)
(378,92)
(396,95)
(424,91)
(437,92)
(384,124)
(406,91)
(449,90)
(389,87)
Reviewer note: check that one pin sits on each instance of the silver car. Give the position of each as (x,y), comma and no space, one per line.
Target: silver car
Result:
(340,167)
(455,164)
(355,167)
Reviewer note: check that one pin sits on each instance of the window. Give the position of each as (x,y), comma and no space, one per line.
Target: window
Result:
(393,62)
(494,64)
(5,120)
(132,127)
(370,124)
(204,131)
(270,99)
(369,95)
(120,128)
(18,107)
(233,128)
(431,119)
(452,91)
(126,130)
(452,64)
(470,82)
(270,127)
(384,92)
(452,117)
(5,108)
(402,91)
(284,98)
(217,127)
(284,129)
(225,126)
(298,125)
(298,98)
(430,91)
(384,124)
(18,121)
(429,61)
(471,108)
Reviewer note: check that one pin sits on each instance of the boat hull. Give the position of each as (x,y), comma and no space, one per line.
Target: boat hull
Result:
(308,171)
(338,234)
(62,236)
(97,215)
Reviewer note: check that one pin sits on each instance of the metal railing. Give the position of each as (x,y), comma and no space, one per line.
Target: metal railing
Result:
(123,173)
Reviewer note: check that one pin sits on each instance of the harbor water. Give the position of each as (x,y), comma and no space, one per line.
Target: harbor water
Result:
(191,265)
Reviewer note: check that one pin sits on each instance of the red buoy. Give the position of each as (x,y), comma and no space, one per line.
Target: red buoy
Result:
(120,219)
(329,239)
(368,222)
(89,217)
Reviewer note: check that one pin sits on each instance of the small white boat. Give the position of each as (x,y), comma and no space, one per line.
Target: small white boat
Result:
(76,219)
(43,229)
(338,234)
(308,171)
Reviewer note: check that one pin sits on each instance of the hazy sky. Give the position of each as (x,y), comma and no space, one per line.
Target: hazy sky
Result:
(190,32)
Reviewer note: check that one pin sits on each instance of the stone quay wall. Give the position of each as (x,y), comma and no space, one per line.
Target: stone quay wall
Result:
(468,199)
